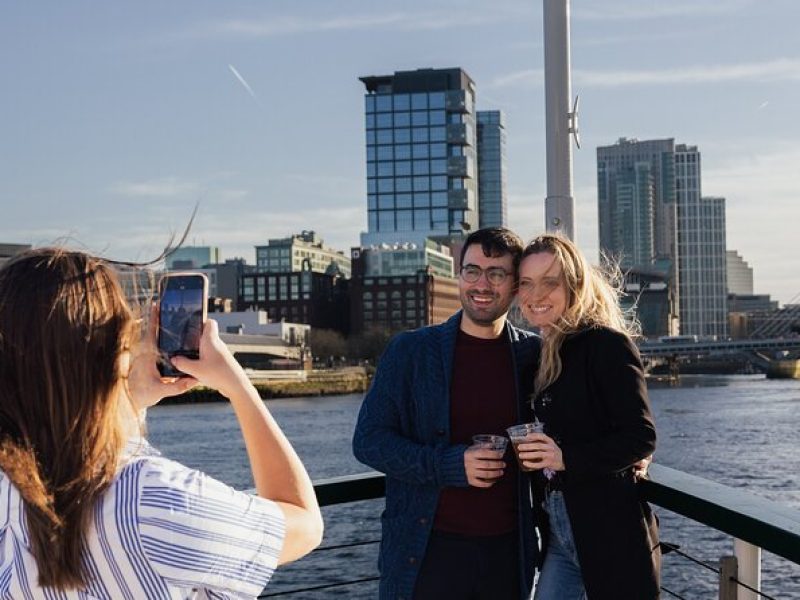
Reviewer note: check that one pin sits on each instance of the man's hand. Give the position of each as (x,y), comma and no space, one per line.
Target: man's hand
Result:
(483,467)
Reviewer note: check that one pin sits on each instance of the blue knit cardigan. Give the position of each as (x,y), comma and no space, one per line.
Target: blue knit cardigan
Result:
(403,430)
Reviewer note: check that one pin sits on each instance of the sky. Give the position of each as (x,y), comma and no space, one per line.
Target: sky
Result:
(117,118)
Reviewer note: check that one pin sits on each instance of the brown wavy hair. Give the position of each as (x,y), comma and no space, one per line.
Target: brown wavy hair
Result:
(64,326)
(592,301)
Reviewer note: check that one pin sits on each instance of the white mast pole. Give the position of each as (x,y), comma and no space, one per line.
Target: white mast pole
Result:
(559,120)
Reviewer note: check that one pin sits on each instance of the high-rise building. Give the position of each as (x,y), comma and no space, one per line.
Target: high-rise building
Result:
(703,293)
(740,274)
(636,184)
(492,204)
(652,214)
(421,156)
(286,255)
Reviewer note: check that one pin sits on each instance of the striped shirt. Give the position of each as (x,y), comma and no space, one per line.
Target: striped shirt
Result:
(161,530)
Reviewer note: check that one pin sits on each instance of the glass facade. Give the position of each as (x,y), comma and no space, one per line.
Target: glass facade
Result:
(416,123)
(492,169)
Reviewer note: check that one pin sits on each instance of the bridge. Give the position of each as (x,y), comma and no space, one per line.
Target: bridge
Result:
(766,355)
(268,345)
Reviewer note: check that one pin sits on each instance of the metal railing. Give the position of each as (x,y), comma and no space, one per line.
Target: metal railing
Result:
(754,522)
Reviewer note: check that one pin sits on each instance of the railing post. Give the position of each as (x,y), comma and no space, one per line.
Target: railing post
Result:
(728,571)
(749,557)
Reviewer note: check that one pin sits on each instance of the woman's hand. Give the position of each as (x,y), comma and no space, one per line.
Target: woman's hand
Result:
(145,385)
(216,368)
(640,467)
(539,451)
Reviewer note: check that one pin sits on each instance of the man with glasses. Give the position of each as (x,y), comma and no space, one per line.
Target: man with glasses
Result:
(458,521)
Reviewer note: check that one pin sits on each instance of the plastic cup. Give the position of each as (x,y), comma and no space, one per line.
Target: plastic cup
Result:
(490,442)
(519,434)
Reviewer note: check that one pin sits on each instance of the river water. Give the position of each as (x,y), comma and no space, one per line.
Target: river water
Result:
(741,431)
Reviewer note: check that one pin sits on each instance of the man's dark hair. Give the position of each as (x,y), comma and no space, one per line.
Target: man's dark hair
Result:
(495,241)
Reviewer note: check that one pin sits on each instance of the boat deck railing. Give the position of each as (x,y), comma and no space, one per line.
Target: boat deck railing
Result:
(755,524)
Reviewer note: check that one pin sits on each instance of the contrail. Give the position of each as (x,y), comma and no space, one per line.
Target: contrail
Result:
(243,82)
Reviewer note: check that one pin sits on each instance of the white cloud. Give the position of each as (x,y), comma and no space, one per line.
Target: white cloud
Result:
(655,9)
(779,69)
(274,25)
(163,187)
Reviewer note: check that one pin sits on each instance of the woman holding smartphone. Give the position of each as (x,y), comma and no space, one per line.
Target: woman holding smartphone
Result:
(590,393)
(87,508)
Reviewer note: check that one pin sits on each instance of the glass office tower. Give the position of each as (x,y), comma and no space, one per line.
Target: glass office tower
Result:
(421,156)
(492,204)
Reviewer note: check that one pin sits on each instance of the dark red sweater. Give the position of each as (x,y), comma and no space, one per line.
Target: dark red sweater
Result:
(482,400)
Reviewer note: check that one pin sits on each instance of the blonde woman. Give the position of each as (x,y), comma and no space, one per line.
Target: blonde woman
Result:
(87,508)
(590,393)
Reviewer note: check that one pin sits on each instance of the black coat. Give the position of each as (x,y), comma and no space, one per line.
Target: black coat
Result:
(599,414)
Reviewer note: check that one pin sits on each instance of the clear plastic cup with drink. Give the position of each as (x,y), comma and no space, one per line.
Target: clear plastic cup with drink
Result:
(519,434)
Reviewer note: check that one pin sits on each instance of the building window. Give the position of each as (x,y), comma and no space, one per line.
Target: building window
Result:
(401,152)
(383,103)
(438,117)
(405,221)
(421,167)
(422,184)
(420,151)
(419,119)
(386,220)
(436,100)
(421,200)
(401,102)
(438,151)
(402,136)
(402,119)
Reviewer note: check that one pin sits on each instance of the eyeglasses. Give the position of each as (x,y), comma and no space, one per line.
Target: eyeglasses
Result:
(494,275)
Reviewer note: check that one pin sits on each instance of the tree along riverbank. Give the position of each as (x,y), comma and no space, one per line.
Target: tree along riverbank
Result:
(321,382)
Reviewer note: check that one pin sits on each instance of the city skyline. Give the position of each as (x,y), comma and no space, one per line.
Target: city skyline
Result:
(118,119)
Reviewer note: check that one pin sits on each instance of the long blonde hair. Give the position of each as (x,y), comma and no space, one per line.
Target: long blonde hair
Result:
(592,301)
(64,325)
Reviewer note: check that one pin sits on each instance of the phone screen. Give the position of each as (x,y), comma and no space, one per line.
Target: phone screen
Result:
(181,314)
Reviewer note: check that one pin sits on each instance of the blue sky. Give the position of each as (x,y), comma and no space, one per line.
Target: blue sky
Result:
(118,117)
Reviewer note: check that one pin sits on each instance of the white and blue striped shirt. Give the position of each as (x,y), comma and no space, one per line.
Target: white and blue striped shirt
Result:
(161,530)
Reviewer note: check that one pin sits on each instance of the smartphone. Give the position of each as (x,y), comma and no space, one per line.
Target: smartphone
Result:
(182,311)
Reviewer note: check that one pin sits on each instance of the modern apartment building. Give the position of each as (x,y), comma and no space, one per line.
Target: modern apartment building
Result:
(703,293)
(651,212)
(288,254)
(421,143)
(636,201)
(492,203)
